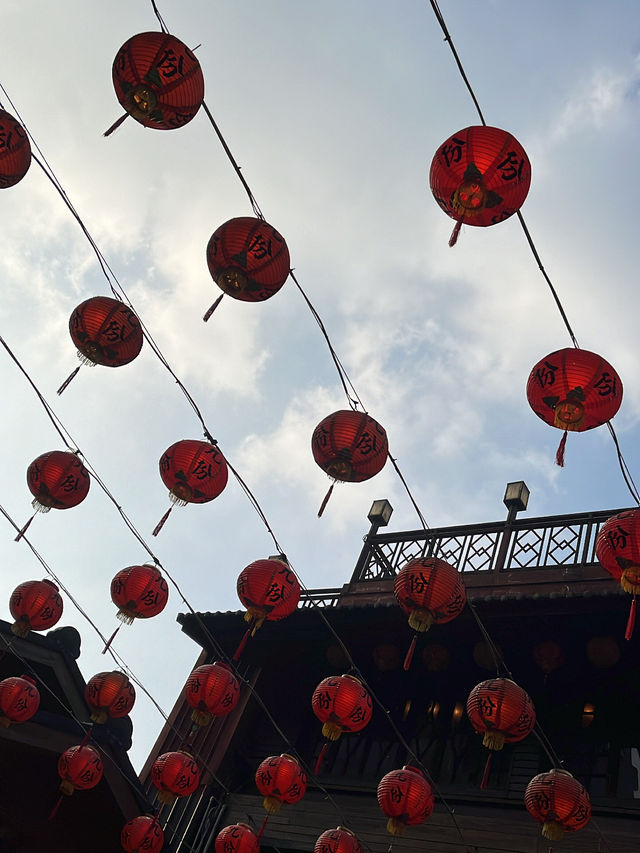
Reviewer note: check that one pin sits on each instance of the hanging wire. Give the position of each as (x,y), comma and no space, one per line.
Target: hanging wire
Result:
(159,17)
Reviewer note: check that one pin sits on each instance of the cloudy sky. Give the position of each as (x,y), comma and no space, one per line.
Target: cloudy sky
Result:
(334,111)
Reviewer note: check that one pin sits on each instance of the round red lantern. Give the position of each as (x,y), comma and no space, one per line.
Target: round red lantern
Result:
(175,774)
(618,551)
(280,779)
(237,838)
(341,704)
(15,151)
(548,656)
(269,589)
(339,840)
(158,81)
(559,802)
(248,259)
(79,767)
(57,480)
(139,592)
(574,390)
(480,176)
(500,710)
(405,797)
(212,690)
(35,606)
(142,834)
(19,700)
(109,694)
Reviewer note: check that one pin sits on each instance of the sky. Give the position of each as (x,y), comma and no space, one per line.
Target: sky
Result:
(334,112)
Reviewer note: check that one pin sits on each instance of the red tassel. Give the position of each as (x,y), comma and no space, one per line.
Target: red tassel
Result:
(485,775)
(326,500)
(242,644)
(410,651)
(115,125)
(54,810)
(323,752)
(560,450)
(264,823)
(71,376)
(456,232)
(110,640)
(160,524)
(631,622)
(24,529)
(213,307)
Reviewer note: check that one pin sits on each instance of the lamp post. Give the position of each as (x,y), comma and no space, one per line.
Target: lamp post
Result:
(379,516)
(516,498)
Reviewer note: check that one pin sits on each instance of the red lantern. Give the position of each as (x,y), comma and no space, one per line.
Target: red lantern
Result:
(57,480)
(140,592)
(618,550)
(194,472)
(79,767)
(237,838)
(269,590)
(248,259)
(502,711)
(480,176)
(280,779)
(109,694)
(559,802)
(342,704)
(405,797)
(19,700)
(158,81)
(142,834)
(212,690)
(548,656)
(36,606)
(15,153)
(175,774)
(339,840)
(574,389)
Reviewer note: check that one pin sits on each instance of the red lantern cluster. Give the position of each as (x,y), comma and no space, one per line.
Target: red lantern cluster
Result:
(35,606)
(142,834)
(269,590)
(158,80)
(248,259)
(350,446)
(237,838)
(15,151)
(341,704)
(559,802)
(280,779)
(500,710)
(19,700)
(212,690)
(109,694)
(339,840)
(57,480)
(139,592)
(175,774)
(79,767)
(106,332)
(430,591)
(406,798)
(618,551)
(480,176)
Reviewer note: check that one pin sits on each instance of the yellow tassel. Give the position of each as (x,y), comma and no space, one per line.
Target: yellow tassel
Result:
(552,830)
(201,718)
(420,620)
(630,580)
(271,805)
(331,731)
(395,826)
(493,740)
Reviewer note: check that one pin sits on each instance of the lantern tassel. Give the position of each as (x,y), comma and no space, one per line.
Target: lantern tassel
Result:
(560,450)
(115,125)
(54,810)
(320,760)
(110,640)
(242,644)
(262,828)
(456,232)
(24,529)
(631,622)
(409,655)
(160,524)
(71,376)
(213,308)
(326,500)
(487,770)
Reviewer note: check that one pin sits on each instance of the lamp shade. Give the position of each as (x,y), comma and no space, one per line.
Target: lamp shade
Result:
(15,151)
(559,802)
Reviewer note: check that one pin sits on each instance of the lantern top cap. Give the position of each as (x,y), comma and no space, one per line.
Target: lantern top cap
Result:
(380,513)
(516,496)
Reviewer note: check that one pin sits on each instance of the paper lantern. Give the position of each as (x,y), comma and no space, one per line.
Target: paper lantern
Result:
(559,802)
(15,151)
(548,656)
(158,81)
(142,834)
(139,592)
(237,838)
(406,798)
(175,774)
(500,710)
(342,704)
(195,472)
(35,606)
(269,589)
(57,480)
(212,690)
(386,657)
(618,551)
(603,652)
(480,176)
(109,694)
(79,767)
(574,390)
(280,779)
(339,840)
(19,700)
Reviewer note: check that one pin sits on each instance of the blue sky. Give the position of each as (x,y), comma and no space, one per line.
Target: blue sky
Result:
(334,111)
